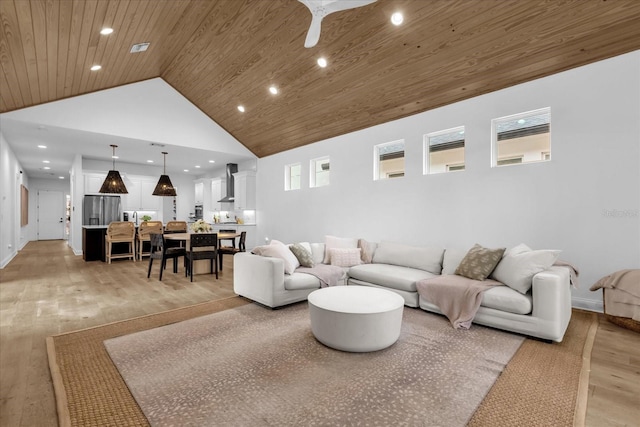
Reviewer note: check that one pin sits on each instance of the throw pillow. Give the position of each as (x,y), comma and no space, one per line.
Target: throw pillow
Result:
(277,251)
(520,264)
(479,262)
(337,242)
(345,257)
(290,260)
(304,256)
(367,250)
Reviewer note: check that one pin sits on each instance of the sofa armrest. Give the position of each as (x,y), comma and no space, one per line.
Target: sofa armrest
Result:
(258,278)
(551,290)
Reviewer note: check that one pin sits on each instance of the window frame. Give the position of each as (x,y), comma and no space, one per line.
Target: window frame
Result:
(287,176)
(426,150)
(376,160)
(494,139)
(313,172)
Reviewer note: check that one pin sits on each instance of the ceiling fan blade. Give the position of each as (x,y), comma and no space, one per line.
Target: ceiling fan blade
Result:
(339,5)
(313,35)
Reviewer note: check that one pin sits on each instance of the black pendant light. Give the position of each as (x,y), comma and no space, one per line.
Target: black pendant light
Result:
(164,186)
(113,182)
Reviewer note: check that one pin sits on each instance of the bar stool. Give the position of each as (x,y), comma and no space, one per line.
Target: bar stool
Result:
(121,232)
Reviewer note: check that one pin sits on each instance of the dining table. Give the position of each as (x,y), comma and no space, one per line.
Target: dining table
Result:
(199,266)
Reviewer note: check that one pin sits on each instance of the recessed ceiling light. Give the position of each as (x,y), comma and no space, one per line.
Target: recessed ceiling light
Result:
(46,168)
(115,157)
(197,166)
(46,161)
(96,67)
(241,108)
(106,31)
(322,62)
(149,161)
(186,170)
(61,177)
(212,161)
(273,90)
(140,47)
(42,146)
(397,18)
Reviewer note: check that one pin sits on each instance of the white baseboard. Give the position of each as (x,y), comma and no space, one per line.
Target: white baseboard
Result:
(587,304)
(8,259)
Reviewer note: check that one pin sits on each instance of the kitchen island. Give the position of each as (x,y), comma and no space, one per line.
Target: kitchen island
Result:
(93,243)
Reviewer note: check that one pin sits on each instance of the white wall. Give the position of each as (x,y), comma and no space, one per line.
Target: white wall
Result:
(585,201)
(12,235)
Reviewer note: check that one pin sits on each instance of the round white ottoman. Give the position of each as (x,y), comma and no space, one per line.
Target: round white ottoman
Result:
(355,318)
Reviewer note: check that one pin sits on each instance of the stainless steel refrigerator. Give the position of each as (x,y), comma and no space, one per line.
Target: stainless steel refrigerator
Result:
(101,210)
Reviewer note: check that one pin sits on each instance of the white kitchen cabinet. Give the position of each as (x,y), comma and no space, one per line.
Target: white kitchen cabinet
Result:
(245,190)
(218,190)
(140,197)
(93,182)
(199,188)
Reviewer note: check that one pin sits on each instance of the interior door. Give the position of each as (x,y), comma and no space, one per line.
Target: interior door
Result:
(50,215)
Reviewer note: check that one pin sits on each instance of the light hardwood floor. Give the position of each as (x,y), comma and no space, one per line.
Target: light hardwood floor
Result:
(48,290)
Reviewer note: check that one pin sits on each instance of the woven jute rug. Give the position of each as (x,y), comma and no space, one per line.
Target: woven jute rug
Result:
(256,367)
(543,384)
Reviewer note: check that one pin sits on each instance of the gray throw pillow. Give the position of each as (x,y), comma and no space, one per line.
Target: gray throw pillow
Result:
(479,262)
(304,256)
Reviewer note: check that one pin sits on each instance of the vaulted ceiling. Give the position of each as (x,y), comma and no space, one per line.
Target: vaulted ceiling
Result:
(223,53)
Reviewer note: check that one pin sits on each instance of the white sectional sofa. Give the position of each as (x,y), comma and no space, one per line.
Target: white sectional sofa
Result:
(543,312)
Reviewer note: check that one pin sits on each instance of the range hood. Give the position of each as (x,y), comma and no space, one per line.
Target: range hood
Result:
(231,169)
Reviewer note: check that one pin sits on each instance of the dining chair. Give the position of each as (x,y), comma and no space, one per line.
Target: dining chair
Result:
(202,240)
(230,250)
(160,251)
(144,230)
(120,232)
(233,240)
(175,227)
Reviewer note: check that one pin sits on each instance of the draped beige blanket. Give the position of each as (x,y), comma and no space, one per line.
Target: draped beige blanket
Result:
(329,275)
(457,297)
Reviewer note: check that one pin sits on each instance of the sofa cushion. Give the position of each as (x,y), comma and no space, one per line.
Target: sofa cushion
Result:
(390,276)
(345,257)
(317,250)
(504,298)
(422,258)
(331,242)
(301,281)
(519,264)
(303,254)
(479,262)
(451,260)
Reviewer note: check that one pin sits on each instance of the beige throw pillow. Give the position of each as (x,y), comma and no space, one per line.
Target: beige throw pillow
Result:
(345,257)
(367,250)
(479,262)
(331,242)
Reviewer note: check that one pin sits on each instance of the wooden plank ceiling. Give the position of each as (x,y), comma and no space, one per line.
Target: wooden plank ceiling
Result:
(223,53)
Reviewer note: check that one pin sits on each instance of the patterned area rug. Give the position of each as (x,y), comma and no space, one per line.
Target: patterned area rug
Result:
(255,366)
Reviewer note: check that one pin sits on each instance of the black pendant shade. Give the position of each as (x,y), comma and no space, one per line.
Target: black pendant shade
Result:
(164,186)
(113,182)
